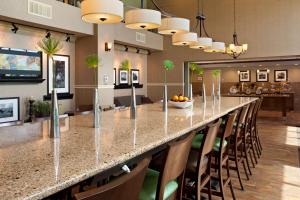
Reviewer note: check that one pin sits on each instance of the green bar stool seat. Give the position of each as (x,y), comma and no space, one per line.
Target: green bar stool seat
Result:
(197,141)
(150,186)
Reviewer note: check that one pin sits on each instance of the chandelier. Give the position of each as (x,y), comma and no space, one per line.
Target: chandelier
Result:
(235,49)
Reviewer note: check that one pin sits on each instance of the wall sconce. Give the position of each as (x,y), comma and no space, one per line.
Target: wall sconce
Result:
(108,46)
(238,71)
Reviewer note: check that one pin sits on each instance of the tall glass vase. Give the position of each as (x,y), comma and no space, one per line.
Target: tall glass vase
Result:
(191,92)
(203,92)
(54,116)
(213,90)
(165,98)
(133,104)
(219,88)
(96,110)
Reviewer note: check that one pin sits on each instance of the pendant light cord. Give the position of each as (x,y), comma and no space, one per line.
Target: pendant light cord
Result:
(160,9)
(234,16)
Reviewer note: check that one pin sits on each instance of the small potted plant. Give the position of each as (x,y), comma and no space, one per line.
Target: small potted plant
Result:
(41,109)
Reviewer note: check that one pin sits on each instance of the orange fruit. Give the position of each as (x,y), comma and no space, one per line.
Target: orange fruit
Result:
(175,98)
(186,98)
(181,98)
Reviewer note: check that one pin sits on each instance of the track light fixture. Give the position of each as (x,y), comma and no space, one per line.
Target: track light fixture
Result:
(126,48)
(14,28)
(137,50)
(68,39)
(48,35)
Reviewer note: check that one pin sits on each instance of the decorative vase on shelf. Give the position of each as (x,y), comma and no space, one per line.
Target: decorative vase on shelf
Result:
(54,116)
(96,111)
(133,103)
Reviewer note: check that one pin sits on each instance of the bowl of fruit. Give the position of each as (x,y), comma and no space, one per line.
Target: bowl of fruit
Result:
(180,101)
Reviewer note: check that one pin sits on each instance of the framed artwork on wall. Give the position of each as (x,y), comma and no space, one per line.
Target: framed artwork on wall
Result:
(62,76)
(281,75)
(135,76)
(9,109)
(262,76)
(245,76)
(123,77)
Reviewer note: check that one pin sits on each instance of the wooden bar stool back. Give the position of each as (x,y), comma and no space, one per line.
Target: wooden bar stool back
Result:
(163,185)
(221,154)
(126,187)
(199,164)
(236,152)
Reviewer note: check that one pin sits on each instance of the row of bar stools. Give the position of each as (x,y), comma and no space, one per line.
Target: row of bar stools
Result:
(186,164)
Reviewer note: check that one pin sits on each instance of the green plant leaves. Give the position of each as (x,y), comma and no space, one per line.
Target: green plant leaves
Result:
(216,73)
(92,61)
(197,70)
(49,46)
(168,64)
(125,65)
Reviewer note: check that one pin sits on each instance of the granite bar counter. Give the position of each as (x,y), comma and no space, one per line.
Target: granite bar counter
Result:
(35,166)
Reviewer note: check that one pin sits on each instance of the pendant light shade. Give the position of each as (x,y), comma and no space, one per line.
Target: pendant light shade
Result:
(102,11)
(182,39)
(217,47)
(143,19)
(202,43)
(172,25)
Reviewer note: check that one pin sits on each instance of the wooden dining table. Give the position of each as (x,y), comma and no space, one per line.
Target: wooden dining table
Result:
(34,166)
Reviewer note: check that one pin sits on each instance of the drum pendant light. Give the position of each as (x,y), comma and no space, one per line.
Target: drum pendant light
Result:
(217,47)
(172,25)
(182,39)
(142,18)
(102,11)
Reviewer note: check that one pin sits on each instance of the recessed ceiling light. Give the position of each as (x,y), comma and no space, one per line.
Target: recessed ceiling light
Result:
(277,64)
(296,64)
(260,65)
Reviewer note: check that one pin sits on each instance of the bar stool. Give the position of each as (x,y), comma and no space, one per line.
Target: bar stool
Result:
(199,164)
(254,130)
(236,151)
(126,187)
(221,153)
(163,185)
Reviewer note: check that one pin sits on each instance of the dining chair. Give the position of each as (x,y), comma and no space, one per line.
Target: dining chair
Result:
(168,183)
(198,172)
(125,187)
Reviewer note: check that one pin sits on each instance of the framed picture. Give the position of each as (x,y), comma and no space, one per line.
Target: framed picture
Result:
(115,76)
(62,76)
(245,76)
(280,75)
(9,109)
(123,76)
(135,76)
(262,76)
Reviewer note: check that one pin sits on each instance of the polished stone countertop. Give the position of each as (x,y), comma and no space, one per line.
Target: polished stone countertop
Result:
(33,166)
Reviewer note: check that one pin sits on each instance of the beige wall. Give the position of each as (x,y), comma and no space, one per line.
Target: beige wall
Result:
(270,27)
(138,61)
(27,39)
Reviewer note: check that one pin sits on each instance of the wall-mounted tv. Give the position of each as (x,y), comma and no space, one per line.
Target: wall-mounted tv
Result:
(20,64)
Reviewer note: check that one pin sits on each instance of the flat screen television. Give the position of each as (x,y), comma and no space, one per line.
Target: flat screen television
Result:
(20,64)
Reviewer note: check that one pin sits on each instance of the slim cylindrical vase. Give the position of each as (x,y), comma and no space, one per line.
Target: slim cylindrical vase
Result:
(203,93)
(213,90)
(54,116)
(133,103)
(96,110)
(219,88)
(165,99)
(191,92)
